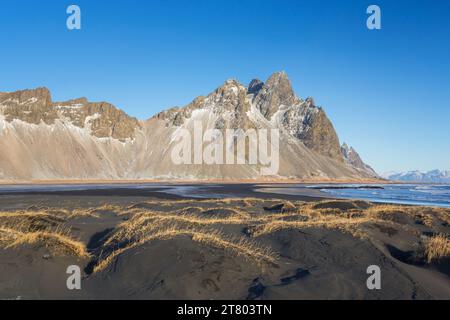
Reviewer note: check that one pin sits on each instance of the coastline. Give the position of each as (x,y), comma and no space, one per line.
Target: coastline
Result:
(193,182)
(393,193)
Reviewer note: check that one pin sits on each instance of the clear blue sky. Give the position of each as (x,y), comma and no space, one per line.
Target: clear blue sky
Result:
(387,92)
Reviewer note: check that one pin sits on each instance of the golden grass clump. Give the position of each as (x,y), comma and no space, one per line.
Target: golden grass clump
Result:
(428,216)
(79,213)
(344,224)
(29,221)
(109,207)
(239,246)
(40,226)
(190,209)
(437,248)
(54,214)
(338,208)
(236,202)
(209,237)
(283,207)
(7,236)
(191,219)
(95,212)
(225,211)
(442,214)
(57,243)
(153,225)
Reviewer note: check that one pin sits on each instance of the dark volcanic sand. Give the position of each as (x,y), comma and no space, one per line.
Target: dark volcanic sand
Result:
(314,263)
(175,191)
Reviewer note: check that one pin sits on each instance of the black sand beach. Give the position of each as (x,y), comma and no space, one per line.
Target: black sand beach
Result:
(147,244)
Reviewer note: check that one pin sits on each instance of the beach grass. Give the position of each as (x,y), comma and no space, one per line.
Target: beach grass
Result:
(203,222)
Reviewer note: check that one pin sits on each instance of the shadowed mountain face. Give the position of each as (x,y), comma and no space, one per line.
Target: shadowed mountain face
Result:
(78,139)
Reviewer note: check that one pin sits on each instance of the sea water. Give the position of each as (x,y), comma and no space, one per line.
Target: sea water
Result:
(415,194)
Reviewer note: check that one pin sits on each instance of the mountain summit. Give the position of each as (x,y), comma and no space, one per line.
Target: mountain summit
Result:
(78,139)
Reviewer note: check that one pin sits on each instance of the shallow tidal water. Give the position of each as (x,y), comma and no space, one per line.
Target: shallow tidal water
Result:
(415,194)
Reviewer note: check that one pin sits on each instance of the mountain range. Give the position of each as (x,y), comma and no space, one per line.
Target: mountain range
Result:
(77,139)
(433,176)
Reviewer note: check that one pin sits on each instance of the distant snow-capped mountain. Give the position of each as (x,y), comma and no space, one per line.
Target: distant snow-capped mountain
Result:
(434,176)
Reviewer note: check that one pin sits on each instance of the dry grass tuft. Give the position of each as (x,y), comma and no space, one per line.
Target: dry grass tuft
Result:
(283,207)
(57,243)
(427,216)
(29,221)
(344,224)
(148,226)
(437,248)
(42,227)
(225,212)
(209,237)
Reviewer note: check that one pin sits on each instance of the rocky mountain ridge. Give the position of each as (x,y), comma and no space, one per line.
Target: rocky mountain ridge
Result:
(36,106)
(352,157)
(78,139)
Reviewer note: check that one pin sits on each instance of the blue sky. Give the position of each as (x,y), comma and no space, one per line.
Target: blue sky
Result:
(387,91)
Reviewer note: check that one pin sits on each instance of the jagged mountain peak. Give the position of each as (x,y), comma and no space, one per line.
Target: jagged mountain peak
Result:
(231,82)
(310,102)
(348,150)
(280,84)
(278,78)
(254,86)
(345,149)
(353,158)
(232,95)
(231,105)
(225,106)
(231,86)
(275,92)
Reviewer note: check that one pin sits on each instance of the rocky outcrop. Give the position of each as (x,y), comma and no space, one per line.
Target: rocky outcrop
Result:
(32,106)
(36,106)
(320,135)
(255,86)
(103,119)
